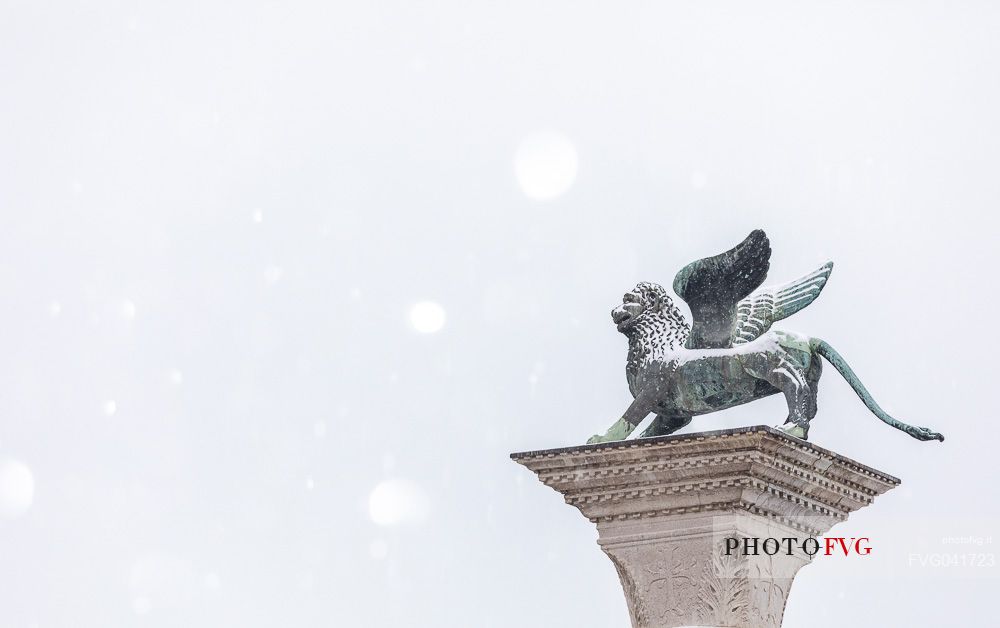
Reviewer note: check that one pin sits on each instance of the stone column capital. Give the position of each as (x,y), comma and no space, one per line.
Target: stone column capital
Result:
(665,506)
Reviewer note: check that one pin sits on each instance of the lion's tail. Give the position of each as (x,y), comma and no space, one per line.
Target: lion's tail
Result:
(824,349)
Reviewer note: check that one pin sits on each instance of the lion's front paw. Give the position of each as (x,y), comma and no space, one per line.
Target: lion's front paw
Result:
(793,429)
(619,431)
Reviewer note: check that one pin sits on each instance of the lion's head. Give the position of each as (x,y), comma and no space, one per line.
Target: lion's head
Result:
(644,301)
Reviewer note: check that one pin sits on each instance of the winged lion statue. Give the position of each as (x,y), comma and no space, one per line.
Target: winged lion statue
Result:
(729,355)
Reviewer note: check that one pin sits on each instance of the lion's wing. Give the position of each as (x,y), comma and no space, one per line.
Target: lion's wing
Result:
(756,313)
(714,285)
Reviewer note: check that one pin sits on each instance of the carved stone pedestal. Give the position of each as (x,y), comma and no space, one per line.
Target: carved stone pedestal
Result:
(668,508)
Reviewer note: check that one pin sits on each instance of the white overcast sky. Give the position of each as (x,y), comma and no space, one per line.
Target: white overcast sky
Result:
(284,283)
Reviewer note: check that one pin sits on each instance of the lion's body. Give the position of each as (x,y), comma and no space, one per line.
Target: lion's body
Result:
(682,383)
(699,381)
(676,383)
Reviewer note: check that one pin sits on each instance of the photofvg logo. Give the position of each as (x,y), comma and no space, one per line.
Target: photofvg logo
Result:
(789,546)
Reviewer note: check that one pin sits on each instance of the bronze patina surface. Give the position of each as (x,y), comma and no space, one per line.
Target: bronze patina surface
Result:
(729,355)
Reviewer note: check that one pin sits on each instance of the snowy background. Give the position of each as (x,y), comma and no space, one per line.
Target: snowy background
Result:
(283,284)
